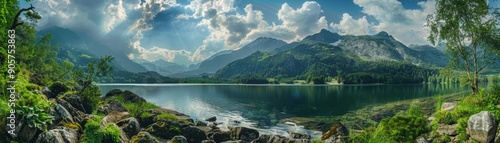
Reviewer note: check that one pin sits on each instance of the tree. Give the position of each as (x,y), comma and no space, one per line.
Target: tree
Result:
(470,29)
(95,69)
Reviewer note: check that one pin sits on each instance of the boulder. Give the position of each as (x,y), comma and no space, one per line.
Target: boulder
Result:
(220,136)
(111,106)
(113,92)
(129,126)
(299,135)
(338,133)
(129,96)
(193,134)
(76,102)
(147,120)
(277,139)
(59,134)
(447,129)
(448,106)
(482,127)
(78,116)
(244,134)
(179,139)
(26,133)
(236,141)
(211,119)
(114,117)
(47,92)
(208,141)
(421,140)
(143,137)
(164,129)
(200,123)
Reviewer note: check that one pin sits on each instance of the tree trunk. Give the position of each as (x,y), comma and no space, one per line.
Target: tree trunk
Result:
(474,85)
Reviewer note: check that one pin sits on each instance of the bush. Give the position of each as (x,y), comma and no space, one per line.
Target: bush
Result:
(90,98)
(166,116)
(136,108)
(58,87)
(93,132)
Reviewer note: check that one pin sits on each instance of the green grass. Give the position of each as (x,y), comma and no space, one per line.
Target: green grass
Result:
(93,132)
(166,116)
(136,108)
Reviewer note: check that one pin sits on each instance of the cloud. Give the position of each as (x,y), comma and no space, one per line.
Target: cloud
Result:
(232,30)
(350,26)
(406,25)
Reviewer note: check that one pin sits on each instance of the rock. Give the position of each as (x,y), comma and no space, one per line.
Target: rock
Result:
(208,141)
(211,119)
(262,139)
(47,92)
(299,135)
(57,88)
(59,135)
(111,106)
(143,137)
(421,140)
(220,136)
(113,92)
(76,102)
(164,129)
(200,123)
(448,106)
(236,141)
(447,130)
(78,116)
(129,126)
(338,133)
(62,113)
(26,133)
(129,96)
(245,134)
(482,127)
(277,139)
(178,139)
(147,120)
(114,117)
(193,134)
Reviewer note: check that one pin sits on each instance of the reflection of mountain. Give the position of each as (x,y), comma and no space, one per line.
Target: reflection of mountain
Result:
(81,49)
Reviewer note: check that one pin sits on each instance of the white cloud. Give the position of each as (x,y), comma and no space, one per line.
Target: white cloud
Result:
(406,25)
(232,31)
(350,26)
(156,53)
(115,14)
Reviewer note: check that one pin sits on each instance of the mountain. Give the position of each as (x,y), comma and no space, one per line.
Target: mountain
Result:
(381,46)
(81,50)
(163,67)
(357,59)
(211,65)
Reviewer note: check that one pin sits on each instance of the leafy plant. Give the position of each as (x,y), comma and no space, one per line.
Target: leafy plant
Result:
(166,116)
(35,117)
(93,132)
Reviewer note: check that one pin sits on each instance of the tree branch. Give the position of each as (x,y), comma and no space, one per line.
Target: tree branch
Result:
(16,23)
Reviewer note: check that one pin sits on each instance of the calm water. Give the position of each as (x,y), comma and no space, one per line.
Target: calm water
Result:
(262,105)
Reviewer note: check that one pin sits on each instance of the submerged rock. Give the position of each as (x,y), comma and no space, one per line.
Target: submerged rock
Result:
(211,119)
(482,127)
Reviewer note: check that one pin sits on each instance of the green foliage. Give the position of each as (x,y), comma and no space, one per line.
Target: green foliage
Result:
(471,31)
(439,102)
(445,117)
(414,111)
(35,117)
(94,70)
(166,116)
(252,80)
(58,87)
(317,141)
(93,132)
(90,98)
(136,108)
(175,129)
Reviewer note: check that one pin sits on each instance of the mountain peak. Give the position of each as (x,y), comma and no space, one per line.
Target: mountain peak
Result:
(384,34)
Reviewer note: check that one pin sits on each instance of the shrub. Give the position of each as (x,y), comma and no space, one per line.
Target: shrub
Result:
(90,98)
(401,128)
(136,108)
(35,117)
(58,87)
(93,132)
(166,116)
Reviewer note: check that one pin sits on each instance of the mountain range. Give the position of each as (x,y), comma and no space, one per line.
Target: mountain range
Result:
(280,58)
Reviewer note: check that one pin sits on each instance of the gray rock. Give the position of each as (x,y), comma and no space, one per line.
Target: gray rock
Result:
(78,116)
(59,135)
(111,106)
(338,133)
(113,92)
(146,121)
(482,127)
(178,139)
(76,102)
(129,126)
(299,135)
(129,96)
(262,139)
(47,92)
(220,136)
(200,123)
(164,129)
(208,141)
(245,134)
(448,106)
(236,141)
(193,134)
(114,117)
(421,140)
(143,137)
(211,119)
(447,129)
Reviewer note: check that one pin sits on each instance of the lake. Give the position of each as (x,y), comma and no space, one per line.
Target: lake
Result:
(261,106)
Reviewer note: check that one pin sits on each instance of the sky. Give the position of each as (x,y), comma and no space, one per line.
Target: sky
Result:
(189,31)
